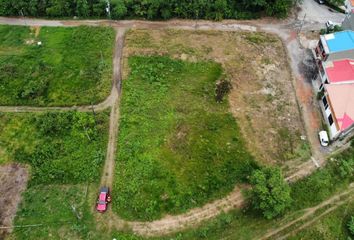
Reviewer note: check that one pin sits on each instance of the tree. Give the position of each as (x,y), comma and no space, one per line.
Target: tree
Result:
(270,193)
(119,9)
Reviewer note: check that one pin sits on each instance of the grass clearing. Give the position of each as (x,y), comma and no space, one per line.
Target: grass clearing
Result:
(60,147)
(262,99)
(73,66)
(177,147)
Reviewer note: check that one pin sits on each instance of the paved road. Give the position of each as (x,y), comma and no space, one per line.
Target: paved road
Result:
(318,14)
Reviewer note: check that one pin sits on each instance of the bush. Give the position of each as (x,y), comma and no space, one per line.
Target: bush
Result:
(270,193)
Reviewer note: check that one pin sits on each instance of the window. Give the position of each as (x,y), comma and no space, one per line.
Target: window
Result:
(330,119)
(325,103)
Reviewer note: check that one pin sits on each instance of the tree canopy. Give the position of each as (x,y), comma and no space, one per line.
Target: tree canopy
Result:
(270,193)
(148,9)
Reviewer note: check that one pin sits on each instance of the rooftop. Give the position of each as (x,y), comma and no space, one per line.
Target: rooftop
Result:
(340,71)
(342,100)
(340,41)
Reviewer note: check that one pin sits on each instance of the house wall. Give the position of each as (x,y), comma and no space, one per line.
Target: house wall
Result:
(327,112)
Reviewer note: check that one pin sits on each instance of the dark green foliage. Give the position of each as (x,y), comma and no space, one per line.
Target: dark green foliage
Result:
(351,225)
(67,147)
(150,9)
(177,147)
(73,66)
(222,89)
(270,194)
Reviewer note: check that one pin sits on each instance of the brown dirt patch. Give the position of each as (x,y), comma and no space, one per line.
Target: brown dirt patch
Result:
(13,179)
(263,98)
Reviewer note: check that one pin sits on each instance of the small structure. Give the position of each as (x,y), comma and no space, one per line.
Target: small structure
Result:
(335,46)
(337,107)
(335,72)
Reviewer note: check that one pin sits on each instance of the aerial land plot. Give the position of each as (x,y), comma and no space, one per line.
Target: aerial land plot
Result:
(262,99)
(63,151)
(49,66)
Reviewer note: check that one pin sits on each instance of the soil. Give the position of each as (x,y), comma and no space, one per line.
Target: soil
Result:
(13,179)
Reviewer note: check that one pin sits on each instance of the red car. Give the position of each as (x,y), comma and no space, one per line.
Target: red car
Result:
(103,199)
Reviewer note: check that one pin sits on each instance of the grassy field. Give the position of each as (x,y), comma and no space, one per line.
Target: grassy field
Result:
(177,147)
(73,66)
(262,99)
(60,147)
(332,226)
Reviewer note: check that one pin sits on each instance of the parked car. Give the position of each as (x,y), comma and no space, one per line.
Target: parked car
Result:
(103,199)
(320,1)
(323,136)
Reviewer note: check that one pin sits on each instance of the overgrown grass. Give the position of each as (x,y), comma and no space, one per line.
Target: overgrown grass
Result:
(61,212)
(177,147)
(73,66)
(332,226)
(60,147)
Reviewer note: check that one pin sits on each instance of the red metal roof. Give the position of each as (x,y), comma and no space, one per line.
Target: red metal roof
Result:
(342,102)
(340,71)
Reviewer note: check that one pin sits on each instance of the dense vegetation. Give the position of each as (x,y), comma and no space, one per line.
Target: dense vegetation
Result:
(60,147)
(270,194)
(73,66)
(177,147)
(150,9)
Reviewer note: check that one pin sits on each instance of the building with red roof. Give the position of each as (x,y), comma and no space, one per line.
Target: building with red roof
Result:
(338,108)
(336,72)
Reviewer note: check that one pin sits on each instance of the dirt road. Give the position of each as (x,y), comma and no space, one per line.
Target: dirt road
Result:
(337,200)
(108,170)
(170,224)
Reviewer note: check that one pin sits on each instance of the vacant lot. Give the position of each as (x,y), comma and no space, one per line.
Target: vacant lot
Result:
(262,99)
(72,66)
(177,147)
(60,147)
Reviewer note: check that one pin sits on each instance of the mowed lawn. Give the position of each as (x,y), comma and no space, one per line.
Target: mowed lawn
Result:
(177,147)
(72,66)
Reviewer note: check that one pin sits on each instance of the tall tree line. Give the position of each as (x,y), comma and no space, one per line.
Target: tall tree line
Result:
(148,9)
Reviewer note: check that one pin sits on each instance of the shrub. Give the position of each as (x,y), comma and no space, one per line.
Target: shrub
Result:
(270,193)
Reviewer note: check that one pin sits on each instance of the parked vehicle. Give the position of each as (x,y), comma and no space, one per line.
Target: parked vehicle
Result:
(323,136)
(103,199)
(320,1)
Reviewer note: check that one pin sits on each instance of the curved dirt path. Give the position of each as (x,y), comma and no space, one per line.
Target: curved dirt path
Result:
(193,217)
(337,200)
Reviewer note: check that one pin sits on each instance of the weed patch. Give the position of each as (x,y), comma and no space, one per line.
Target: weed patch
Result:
(72,66)
(177,147)
(60,147)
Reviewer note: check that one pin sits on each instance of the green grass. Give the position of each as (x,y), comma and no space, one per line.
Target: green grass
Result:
(332,226)
(52,206)
(72,67)
(177,147)
(60,147)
